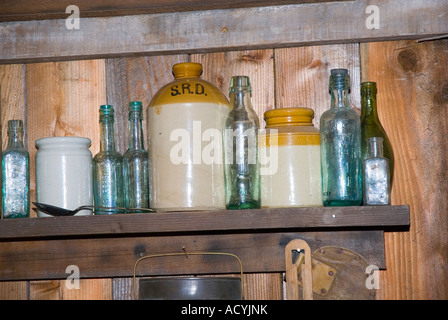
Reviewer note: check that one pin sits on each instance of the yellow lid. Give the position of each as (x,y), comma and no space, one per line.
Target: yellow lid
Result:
(294,126)
(289,117)
(188,87)
(187,70)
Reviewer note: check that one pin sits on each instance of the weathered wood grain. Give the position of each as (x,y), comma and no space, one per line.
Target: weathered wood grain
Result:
(136,79)
(87,289)
(302,76)
(47,9)
(115,257)
(413,108)
(220,30)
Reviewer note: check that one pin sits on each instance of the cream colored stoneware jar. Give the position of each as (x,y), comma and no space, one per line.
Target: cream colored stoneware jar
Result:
(296,178)
(185,123)
(64,173)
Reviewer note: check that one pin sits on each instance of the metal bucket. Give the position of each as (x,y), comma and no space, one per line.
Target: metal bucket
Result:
(190,288)
(223,288)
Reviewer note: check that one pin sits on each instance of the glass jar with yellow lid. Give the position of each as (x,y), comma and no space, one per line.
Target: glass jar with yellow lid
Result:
(290,159)
(185,123)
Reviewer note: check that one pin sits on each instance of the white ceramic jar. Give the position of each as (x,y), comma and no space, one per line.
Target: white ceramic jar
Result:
(64,173)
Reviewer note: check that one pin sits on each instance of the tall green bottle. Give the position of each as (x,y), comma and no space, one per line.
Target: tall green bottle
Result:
(241,170)
(371,126)
(135,162)
(107,167)
(340,141)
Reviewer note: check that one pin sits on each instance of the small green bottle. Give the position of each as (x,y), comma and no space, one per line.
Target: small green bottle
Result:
(241,170)
(15,174)
(135,162)
(107,167)
(371,125)
(340,140)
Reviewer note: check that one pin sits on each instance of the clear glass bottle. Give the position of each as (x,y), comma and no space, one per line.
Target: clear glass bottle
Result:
(135,162)
(371,125)
(340,133)
(107,167)
(376,189)
(15,174)
(241,167)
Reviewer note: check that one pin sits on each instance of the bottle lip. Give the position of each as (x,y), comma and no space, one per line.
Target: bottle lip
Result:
(187,70)
(289,117)
(106,109)
(339,79)
(368,86)
(14,125)
(135,106)
(240,83)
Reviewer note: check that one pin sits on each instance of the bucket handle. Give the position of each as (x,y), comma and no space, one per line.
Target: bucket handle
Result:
(187,254)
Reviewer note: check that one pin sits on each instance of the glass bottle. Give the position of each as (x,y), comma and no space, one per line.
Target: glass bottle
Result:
(135,162)
(107,167)
(371,125)
(241,167)
(15,174)
(376,189)
(340,132)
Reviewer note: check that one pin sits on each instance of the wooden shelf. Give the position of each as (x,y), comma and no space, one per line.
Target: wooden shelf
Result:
(108,246)
(204,221)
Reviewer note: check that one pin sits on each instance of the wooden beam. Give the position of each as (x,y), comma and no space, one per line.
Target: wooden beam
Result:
(221,30)
(115,257)
(13,10)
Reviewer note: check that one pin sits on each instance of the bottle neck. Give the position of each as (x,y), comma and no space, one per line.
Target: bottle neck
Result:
(135,131)
(375,147)
(241,101)
(15,139)
(368,106)
(340,98)
(107,137)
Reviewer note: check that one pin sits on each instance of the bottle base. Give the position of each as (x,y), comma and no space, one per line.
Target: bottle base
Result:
(244,205)
(341,203)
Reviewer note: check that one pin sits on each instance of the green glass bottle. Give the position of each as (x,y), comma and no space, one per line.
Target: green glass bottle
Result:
(15,174)
(107,167)
(340,140)
(371,125)
(135,162)
(241,170)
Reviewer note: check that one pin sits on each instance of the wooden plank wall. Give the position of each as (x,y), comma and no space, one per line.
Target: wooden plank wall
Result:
(63,98)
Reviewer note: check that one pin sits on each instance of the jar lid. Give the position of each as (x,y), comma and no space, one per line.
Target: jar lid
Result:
(289,117)
(187,70)
(58,142)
